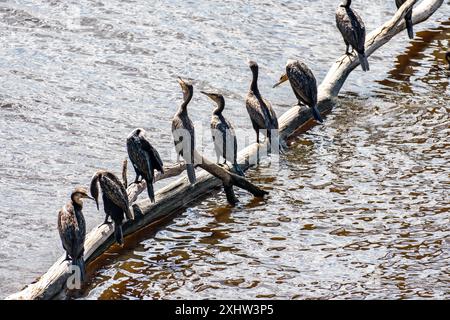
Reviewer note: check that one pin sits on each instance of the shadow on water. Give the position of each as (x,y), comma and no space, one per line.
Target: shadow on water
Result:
(427,52)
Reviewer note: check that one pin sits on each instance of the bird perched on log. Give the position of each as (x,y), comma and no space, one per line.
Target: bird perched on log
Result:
(408,18)
(353,31)
(145,159)
(303,84)
(115,200)
(260,110)
(224,137)
(183,131)
(72,229)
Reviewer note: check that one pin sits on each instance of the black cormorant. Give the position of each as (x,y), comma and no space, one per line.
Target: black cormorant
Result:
(353,31)
(115,200)
(145,159)
(260,110)
(224,137)
(72,228)
(303,84)
(183,131)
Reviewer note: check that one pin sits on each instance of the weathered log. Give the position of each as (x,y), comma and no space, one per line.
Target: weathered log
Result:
(180,193)
(135,189)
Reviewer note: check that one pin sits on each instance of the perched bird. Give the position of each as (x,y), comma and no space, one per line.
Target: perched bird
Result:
(72,229)
(183,131)
(224,137)
(115,200)
(353,31)
(447,57)
(303,84)
(145,159)
(261,113)
(408,18)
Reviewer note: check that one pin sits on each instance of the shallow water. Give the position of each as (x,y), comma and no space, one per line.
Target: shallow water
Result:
(358,207)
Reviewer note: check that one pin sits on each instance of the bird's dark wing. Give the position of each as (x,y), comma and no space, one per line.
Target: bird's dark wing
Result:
(351,27)
(66,228)
(254,111)
(360,32)
(304,84)
(183,131)
(153,154)
(231,143)
(79,236)
(113,210)
(271,116)
(137,155)
(219,135)
(114,190)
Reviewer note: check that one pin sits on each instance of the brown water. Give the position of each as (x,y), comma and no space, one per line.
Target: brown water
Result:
(358,207)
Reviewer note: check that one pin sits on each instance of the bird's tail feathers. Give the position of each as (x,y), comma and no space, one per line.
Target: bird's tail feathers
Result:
(150,191)
(79,262)
(118,234)
(191,173)
(316,114)
(409,27)
(363,61)
(238,170)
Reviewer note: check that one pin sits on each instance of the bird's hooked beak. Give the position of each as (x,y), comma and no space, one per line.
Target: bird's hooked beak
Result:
(209,95)
(283,78)
(182,83)
(187,89)
(88,197)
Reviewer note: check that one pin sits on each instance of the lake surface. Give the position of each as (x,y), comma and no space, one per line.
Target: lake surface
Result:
(358,207)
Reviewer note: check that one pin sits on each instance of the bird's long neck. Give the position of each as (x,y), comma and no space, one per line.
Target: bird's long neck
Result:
(187,99)
(346,4)
(254,84)
(220,106)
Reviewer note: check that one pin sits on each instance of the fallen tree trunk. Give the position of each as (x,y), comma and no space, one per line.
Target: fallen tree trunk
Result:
(180,193)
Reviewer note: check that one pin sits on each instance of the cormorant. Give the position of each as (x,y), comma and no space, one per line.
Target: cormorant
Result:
(353,31)
(408,18)
(115,200)
(303,84)
(72,228)
(224,137)
(260,110)
(183,131)
(145,159)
